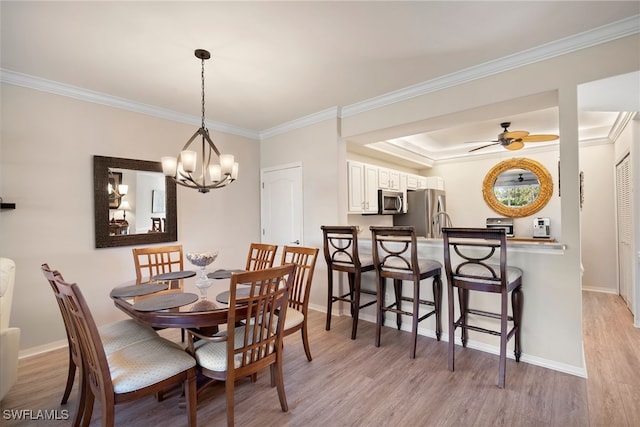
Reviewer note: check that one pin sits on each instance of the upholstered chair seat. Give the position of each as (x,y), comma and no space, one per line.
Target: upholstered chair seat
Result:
(126,365)
(122,333)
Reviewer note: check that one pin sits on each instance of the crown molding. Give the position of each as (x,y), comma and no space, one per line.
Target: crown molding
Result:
(44,85)
(320,116)
(620,124)
(623,28)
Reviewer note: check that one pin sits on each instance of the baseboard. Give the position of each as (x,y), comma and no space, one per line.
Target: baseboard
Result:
(601,290)
(532,360)
(28,352)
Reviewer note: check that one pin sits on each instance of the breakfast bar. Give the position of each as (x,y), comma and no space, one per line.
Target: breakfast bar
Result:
(545,299)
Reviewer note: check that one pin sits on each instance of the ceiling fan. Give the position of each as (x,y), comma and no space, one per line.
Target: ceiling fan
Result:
(514,140)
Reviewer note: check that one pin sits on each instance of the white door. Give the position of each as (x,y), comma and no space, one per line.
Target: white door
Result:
(281,204)
(625,254)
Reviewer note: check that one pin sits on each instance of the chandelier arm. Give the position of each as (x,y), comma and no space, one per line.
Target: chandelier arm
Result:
(213,146)
(198,132)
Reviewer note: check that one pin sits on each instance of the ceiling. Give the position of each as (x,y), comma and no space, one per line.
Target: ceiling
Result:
(276,62)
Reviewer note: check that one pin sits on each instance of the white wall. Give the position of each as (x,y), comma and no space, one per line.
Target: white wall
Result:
(322,154)
(47,144)
(598,223)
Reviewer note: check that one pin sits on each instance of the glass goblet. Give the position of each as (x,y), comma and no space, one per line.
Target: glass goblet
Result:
(202,260)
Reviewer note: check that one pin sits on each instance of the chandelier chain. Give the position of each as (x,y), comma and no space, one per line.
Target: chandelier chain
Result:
(202,78)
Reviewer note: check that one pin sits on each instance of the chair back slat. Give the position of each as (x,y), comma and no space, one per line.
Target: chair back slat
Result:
(305,260)
(260,256)
(74,345)
(150,262)
(266,307)
(85,331)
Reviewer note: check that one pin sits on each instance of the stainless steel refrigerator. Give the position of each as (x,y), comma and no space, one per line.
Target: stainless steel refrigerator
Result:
(426,211)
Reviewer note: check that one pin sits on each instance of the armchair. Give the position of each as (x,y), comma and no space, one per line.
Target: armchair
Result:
(9,337)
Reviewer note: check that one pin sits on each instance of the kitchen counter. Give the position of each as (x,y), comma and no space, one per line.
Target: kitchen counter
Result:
(546,301)
(517,243)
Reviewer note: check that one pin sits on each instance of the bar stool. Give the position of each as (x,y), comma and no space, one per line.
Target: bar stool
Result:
(341,254)
(395,256)
(472,272)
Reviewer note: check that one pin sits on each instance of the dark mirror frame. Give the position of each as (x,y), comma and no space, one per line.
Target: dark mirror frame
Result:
(101,166)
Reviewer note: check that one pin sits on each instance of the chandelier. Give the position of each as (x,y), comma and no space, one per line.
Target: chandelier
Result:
(209,170)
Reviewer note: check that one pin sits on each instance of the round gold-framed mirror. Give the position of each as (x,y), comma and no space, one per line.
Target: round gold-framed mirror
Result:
(517,187)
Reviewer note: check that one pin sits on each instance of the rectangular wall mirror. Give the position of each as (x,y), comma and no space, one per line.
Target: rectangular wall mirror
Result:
(134,203)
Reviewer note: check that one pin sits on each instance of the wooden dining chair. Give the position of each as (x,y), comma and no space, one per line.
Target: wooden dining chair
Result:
(114,336)
(305,261)
(147,367)
(150,262)
(250,346)
(260,256)
(470,256)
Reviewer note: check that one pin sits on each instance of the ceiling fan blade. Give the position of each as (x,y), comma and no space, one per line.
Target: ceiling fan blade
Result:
(515,145)
(539,138)
(484,146)
(516,134)
(475,142)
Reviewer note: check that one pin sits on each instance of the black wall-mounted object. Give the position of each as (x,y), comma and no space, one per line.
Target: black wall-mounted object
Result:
(7,206)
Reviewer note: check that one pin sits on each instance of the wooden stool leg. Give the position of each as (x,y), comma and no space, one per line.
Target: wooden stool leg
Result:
(516,306)
(463,298)
(354,286)
(397,289)
(416,314)
(452,327)
(437,303)
(381,286)
(329,298)
(503,339)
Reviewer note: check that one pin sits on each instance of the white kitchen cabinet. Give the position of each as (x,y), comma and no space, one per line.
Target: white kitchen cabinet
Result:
(422,182)
(384,178)
(435,182)
(388,179)
(362,187)
(412,182)
(394,180)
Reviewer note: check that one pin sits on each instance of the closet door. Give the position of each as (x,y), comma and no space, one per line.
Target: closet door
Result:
(623,208)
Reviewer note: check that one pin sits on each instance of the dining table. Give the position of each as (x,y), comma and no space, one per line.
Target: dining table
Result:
(158,305)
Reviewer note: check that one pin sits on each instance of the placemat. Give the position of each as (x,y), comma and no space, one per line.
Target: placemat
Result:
(223,297)
(175,275)
(137,290)
(223,274)
(165,301)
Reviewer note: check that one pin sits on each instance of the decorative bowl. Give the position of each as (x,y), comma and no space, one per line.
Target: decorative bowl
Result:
(202,259)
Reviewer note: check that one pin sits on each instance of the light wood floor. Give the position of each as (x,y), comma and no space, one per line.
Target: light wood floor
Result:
(353,383)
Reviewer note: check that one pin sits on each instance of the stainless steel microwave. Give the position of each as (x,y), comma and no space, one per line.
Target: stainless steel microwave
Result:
(390,202)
